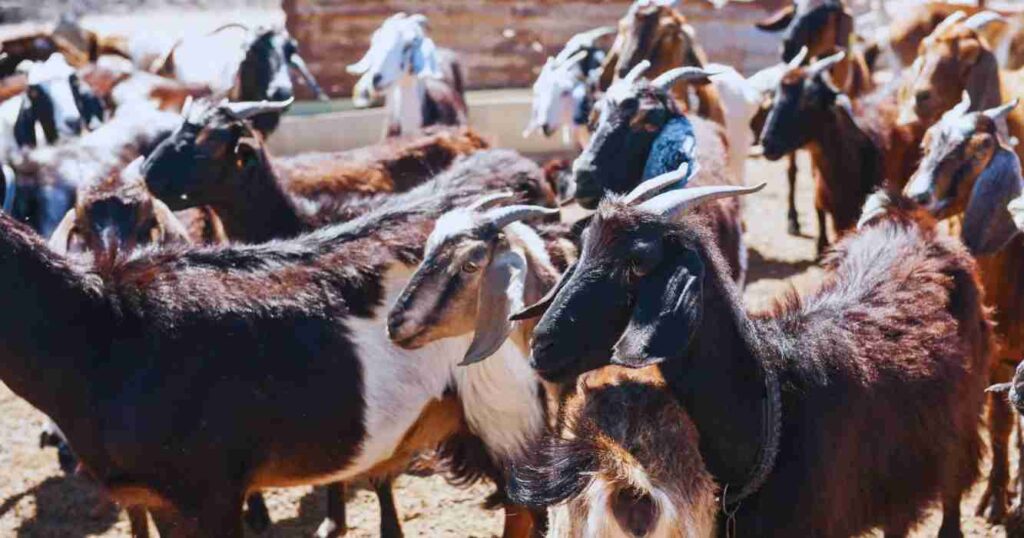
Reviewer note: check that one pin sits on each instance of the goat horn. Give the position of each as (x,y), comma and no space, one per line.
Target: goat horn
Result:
(490,199)
(590,36)
(247,109)
(947,23)
(825,63)
(980,20)
(637,70)
(1001,111)
(655,185)
(187,107)
(500,217)
(798,60)
(574,59)
(674,203)
(670,77)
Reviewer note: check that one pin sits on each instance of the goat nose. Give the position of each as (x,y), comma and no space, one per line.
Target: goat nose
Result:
(377,78)
(280,94)
(922,96)
(74,124)
(923,198)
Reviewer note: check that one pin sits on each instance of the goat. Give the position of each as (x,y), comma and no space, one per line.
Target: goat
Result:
(625,461)
(825,27)
(967,171)
(854,146)
(903,36)
(896,340)
(218,159)
(565,88)
(403,61)
(52,98)
(119,85)
(653,30)
(641,133)
(955,59)
(178,309)
(248,65)
(47,178)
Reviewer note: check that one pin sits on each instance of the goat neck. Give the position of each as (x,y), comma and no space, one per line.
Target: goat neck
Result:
(405,105)
(260,210)
(54,315)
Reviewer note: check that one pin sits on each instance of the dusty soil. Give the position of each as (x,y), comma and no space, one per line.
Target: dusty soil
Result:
(36,500)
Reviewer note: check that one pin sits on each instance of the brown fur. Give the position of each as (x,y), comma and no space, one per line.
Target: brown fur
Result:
(908,30)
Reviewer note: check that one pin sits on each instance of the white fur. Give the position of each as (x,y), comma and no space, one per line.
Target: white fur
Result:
(499,396)
(741,101)
(211,59)
(405,104)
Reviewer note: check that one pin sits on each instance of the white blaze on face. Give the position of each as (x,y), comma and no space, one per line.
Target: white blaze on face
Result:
(53,77)
(399,47)
(558,91)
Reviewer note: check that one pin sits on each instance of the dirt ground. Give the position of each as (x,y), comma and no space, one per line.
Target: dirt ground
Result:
(37,501)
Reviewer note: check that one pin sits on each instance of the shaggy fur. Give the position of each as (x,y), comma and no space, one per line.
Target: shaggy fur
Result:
(883,368)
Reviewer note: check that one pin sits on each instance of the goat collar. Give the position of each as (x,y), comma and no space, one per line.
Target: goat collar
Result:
(674,145)
(771,432)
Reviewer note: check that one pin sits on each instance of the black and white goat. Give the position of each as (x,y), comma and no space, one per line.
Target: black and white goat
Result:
(404,62)
(53,99)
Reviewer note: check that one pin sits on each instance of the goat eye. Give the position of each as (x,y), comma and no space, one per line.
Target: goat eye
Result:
(470,267)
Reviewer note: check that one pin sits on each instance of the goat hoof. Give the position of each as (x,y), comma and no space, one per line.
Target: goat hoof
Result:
(1015,522)
(329,529)
(993,505)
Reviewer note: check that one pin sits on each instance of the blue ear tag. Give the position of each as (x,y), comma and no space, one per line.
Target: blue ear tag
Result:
(675,145)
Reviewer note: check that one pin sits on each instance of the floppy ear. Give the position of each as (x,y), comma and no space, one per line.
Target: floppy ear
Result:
(778,21)
(424,60)
(501,293)
(668,308)
(537,309)
(983,81)
(60,239)
(988,224)
(25,124)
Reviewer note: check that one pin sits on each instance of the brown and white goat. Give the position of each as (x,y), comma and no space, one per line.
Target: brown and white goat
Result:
(955,59)
(218,159)
(916,21)
(641,134)
(404,62)
(624,461)
(854,146)
(206,347)
(966,170)
(655,31)
(883,368)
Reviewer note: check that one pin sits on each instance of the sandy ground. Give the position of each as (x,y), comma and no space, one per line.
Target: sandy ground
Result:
(36,500)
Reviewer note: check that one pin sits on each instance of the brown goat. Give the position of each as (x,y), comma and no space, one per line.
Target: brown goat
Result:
(660,34)
(206,348)
(911,26)
(218,159)
(854,146)
(882,369)
(967,171)
(955,59)
(625,460)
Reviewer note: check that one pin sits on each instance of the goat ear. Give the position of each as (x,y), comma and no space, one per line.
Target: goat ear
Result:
(668,308)
(844,30)
(501,293)
(60,239)
(983,81)
(988,224)
(778,21)
(537,309)
(25,124)
(245,149)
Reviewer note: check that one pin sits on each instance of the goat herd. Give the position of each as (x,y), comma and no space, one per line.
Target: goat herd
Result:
(202,320)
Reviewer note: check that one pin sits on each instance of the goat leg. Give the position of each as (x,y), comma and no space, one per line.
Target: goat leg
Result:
(822,232)
(334,524)
(519,522)
(794,218)
(1000,420)
(257,516)
(138,521)
(389,524)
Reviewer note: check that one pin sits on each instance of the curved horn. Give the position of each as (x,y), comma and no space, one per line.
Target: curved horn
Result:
(655,185)
(172,230)
(670,77)
(1000,112)
(574,59)
(500,217)
(247,109)
(674,203)
(637,71)
(590,36)
(980,20)
(825,63)
(946,23)
(187,107)
(798,60)
(483,201)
